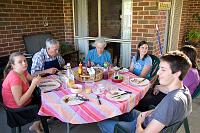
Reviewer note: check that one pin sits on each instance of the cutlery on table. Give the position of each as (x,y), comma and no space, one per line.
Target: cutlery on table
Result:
(52,90)
(47,85)
(81,98)
(98,97)
(120,94)
(125,91)
(141,81)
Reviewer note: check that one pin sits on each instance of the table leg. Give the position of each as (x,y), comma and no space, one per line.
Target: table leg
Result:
(68,128)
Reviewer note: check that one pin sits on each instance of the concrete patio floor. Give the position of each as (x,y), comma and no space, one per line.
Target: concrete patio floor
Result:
(59,127)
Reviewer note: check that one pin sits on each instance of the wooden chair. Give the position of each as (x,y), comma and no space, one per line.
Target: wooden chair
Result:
(15,119)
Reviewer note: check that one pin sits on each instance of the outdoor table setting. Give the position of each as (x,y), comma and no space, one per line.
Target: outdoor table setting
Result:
(88,102)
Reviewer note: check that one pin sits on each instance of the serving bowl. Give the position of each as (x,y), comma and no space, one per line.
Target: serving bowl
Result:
(117,78)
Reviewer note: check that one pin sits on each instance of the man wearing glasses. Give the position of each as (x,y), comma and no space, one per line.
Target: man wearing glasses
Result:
(48,60)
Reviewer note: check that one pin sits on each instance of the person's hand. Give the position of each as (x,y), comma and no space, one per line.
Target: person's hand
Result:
(92,64)
(141,117)
(156,90)
(52,70)
(36,80)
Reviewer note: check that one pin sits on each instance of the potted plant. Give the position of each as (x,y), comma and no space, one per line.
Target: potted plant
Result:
(193,37)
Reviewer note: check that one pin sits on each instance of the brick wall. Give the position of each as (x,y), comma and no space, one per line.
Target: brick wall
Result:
(68,21)
(145,17)
(24,17)
(190,7)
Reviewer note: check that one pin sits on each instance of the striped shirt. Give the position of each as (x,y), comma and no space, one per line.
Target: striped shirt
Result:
(40,58)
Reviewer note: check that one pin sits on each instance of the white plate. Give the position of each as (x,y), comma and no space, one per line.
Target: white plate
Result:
(99,89)
(110,96)
(72,100)
(137,81)
(53,84)
(124,70)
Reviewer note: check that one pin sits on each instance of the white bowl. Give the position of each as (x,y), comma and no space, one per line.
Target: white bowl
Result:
(76,88)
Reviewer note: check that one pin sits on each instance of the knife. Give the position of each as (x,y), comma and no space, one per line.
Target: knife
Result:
(99,99)
(48,85)
(121,94)
(125,91)
(81,98)
(51,90)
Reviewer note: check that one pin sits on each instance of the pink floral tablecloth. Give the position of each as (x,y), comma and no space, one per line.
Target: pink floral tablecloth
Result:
(91,111)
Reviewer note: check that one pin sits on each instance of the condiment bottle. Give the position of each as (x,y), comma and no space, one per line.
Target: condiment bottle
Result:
(70,76)
(80,69)
(89,64)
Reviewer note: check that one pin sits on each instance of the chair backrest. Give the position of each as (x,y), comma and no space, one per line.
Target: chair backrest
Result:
(33,43)
(172,128)
(196,92)
(155,65)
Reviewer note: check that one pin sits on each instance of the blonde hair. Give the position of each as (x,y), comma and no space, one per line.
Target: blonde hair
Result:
(11,61)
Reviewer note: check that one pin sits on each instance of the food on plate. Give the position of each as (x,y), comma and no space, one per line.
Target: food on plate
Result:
(76,88)
(134,80)
(66,100)
(139,81)
(114,92)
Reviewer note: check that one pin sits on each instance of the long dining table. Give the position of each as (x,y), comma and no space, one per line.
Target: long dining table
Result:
(91,111)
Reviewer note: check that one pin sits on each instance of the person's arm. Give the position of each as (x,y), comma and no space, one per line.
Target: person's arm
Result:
(109,58)
(132,64)
(145,71)
(21,98)
(153,127)
(37,66)
(52,70)
(131,67)
(159,88)
(147,67)
(61,61)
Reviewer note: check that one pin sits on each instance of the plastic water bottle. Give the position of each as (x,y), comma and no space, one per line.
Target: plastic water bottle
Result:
(70,76)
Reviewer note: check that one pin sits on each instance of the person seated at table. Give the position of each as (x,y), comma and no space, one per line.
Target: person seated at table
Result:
(141,63)
(174,107)
(48,60)
(191,80)
(16,91)
(99,56)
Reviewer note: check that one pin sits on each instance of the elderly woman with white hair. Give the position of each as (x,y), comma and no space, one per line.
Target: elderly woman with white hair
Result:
(99,56)
(48,60)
